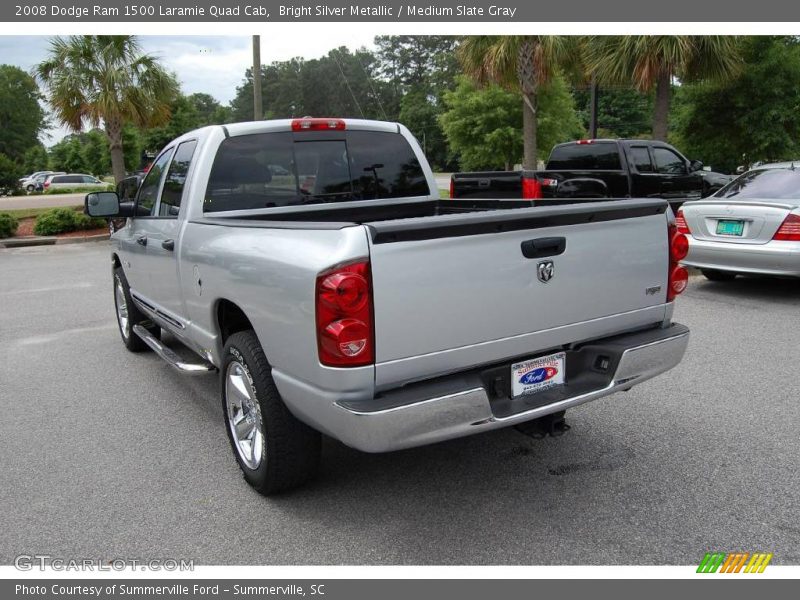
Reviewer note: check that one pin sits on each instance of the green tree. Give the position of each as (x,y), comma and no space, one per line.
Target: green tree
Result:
(35,159)
(10,172)
(622,112)
(482,124)
(519,63)
(754,116)
(95,152)
(104,79)
(184,117)
(420,112)
(651,62)
(22,118)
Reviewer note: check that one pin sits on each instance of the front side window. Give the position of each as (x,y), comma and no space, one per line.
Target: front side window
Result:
(668,162)
(176,178)
(149,189)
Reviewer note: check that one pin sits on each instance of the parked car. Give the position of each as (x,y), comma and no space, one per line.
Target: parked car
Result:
(367,308)
(601,168)
(29,182)
(73,180)
(752,225)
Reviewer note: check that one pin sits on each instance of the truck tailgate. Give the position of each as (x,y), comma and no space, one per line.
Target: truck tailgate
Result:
(455,291)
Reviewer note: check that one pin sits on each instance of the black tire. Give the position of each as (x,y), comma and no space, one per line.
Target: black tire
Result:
(30,188)
(291,449)
(715,275)
(132,341)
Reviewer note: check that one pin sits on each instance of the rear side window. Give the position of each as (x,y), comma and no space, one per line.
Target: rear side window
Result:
(287,169)
(599,156)
(641,159)
(764,185)
(668,162)
(176,179)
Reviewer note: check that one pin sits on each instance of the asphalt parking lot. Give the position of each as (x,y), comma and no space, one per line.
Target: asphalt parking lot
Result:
(110,454)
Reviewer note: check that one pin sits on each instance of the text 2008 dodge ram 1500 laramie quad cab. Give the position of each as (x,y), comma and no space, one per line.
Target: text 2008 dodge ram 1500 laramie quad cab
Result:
(312,263)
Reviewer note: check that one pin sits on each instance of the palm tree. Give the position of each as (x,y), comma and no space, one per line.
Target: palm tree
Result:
(106,79)
(523,63)
(649,61)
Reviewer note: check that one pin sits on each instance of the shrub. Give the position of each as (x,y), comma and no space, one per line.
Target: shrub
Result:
(83,221)
(57,220)
(8,225)
(63,220)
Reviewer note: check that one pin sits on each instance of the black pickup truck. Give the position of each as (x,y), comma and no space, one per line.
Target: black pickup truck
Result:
(601,168)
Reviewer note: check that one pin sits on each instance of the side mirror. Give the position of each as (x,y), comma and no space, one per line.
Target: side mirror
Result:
(695,165)
(102,204)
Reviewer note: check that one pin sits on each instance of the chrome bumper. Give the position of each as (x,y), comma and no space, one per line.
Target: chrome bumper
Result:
(464,412)
(772,258)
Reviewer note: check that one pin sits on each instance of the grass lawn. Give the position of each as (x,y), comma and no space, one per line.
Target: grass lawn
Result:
(444,194)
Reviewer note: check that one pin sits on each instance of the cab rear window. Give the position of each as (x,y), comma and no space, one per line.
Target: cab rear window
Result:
(597,156)
(290,169)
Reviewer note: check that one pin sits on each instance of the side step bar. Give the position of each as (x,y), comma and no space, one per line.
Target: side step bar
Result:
(175,361)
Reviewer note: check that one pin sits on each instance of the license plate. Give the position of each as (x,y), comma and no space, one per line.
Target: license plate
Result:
(537,374)
(730,227)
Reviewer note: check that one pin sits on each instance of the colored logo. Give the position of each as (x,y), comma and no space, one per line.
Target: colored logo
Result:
(735,562)
(538,375)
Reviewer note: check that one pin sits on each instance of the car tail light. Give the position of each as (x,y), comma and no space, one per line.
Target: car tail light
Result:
(46,184)
(318,125)
(531,188)
(678,246)
(452,188)
(680,223)
(789,231)
(344,316)
(582,142)
(678,249)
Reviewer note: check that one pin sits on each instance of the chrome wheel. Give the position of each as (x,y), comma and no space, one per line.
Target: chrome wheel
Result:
(122,309)
(244,415)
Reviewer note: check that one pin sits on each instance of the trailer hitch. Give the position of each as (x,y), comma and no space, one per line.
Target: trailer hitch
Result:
(553,425)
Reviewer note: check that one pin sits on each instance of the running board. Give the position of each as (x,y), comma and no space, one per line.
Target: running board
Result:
(175,361)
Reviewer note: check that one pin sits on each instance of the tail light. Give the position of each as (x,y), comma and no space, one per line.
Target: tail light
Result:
(789,231)
(584,142)
(678,275)
(531,188)
(344,316)
(46,184)
(318,125)
(452,188)
(680,223)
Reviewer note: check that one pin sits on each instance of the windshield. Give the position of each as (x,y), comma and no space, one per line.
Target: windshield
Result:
(764,184)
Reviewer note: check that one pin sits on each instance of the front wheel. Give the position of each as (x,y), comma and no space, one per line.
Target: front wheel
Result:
(30,188)
(128,315)
(273,449)
(715,275)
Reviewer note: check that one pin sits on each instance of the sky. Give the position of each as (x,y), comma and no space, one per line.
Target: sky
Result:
(211,64)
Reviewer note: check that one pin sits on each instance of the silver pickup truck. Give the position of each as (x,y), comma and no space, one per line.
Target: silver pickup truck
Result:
(314,265)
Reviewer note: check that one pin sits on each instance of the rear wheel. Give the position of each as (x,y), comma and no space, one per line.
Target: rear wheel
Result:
(273,449)
(715,275)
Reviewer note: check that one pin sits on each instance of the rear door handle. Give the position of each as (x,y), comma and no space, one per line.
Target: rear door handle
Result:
(541,247)
(168,244)
(142,240)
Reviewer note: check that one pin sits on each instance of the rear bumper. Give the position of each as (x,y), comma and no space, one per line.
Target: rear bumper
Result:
(476,401)
(772,258)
